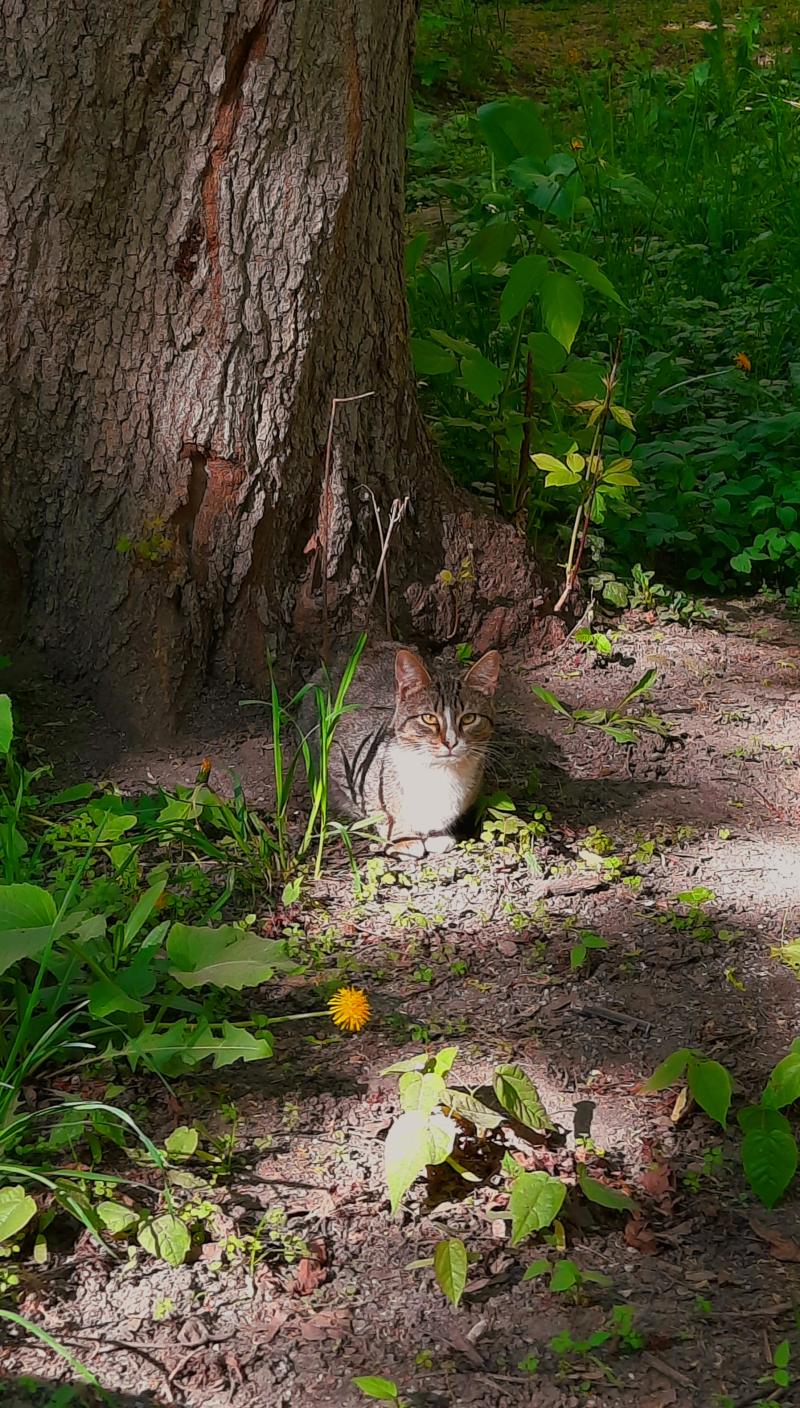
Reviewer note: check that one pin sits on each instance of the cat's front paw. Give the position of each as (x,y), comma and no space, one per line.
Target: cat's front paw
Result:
(412,846)
(439,845)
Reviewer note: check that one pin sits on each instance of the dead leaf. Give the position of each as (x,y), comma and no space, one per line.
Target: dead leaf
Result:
(463,1346)
(682,1104)
(326,1325)
(640,1236)
(311,1270)
(781,1246)
(657,1182)
(264,1331)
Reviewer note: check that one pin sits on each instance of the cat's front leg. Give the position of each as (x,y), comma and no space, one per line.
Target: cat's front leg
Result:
(439,844)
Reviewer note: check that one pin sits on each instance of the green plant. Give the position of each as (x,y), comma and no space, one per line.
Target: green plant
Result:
(616,722)
(566,1278)
(588,942)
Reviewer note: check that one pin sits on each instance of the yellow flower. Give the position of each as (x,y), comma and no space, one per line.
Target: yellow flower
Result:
(576,144)
(349,1009)
(743,361)
(572,55)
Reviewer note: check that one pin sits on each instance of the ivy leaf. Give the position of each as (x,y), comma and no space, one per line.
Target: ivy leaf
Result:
(604,1196)
(523,281)
(17,1209)
(535,1201)
(167,1238)
(711,1087)
(517,1094)
(562,307)
(450,1268)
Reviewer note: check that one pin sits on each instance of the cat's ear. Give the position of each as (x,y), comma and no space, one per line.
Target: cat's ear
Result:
(409,673)
(485,673)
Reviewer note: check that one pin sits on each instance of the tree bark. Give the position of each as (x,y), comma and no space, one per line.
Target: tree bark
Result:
(201,245)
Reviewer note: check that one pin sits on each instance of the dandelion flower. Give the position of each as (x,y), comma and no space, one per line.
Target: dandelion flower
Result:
(743,361)
(349,1009)
(576,144)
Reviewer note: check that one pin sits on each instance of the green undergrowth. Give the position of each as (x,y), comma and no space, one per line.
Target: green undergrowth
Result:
(638,200)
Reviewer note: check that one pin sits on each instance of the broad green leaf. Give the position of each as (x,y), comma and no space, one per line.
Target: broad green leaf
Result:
(562,307)
(385,1390)
(565,1275)
(669,1071)
(517,1094)
(513,128)
(238,1044)
(621,416)
(17,1209)
(581,380)
(489,245)
(414,251)
(226,957)
(25,907)
(783,1086)
(710,1085)
(421,1092)
(548,463)
(548,355)
(561,478)
(547,697)
(482,378)
(106,996)
(741,563)
(167,1238)
(535,1201)
(117,1218)
(605,1197)
(450,1268)
(429,359)
(537,1268)
(769,1153)
(523,281)
(443,1060)
(469,1107)
(6,724)
(143,909)
(182,1142)
(459,345)
(412,1144)
(411,1063)
(591,272)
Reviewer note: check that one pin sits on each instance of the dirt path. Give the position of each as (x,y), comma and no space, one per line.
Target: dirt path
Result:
(474,952)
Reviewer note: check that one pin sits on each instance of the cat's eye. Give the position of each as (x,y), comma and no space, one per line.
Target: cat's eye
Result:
(429,719)
(469,719)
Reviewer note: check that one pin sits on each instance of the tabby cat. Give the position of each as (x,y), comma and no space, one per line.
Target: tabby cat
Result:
(412,746)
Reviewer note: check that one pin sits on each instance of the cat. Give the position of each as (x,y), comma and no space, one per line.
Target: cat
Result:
(411,748)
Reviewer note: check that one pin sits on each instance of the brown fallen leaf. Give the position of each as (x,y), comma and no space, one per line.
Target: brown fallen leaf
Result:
(640,1236)
(311,1270)
(781,1246)
(326,1325)
(657,1183)
(462,1345)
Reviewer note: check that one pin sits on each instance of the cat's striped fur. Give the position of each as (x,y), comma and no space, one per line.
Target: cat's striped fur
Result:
(412,748)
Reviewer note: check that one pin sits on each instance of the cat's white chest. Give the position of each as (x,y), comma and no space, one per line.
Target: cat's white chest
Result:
(433,796)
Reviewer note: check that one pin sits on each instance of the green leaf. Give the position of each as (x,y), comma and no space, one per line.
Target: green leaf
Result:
(385,1390)
(537,1268)
(548,355)
(411,1063)
(106,996)
(117,1218)
(430,360)
(523,281)
(562,307)
(547,697)
(25,907)
(783,1086)
(238,1044)
(581,380)
(604,1196)
(769,1153)
(548,463)
(450,1268)
(143,909)
(6,725)
(411,1145)
(225,958)
(167,1238)
(741,563)
(517,1094)
(561,478)
(781,1355)
(421,1092)
(17,1209)
(469,1107)
(535,1201)
(182,1142)
(443,1060)
(669,1071)
(489,245)
(591,272)
(513,128)
(711,1087)
(565,1275)
(482,378)
(621,416)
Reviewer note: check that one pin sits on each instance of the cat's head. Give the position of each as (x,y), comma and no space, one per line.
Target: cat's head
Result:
(449,717)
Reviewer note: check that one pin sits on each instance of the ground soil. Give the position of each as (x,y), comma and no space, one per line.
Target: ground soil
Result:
(474,949)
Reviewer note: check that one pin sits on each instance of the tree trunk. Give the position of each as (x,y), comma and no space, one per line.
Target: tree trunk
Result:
(200,246)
